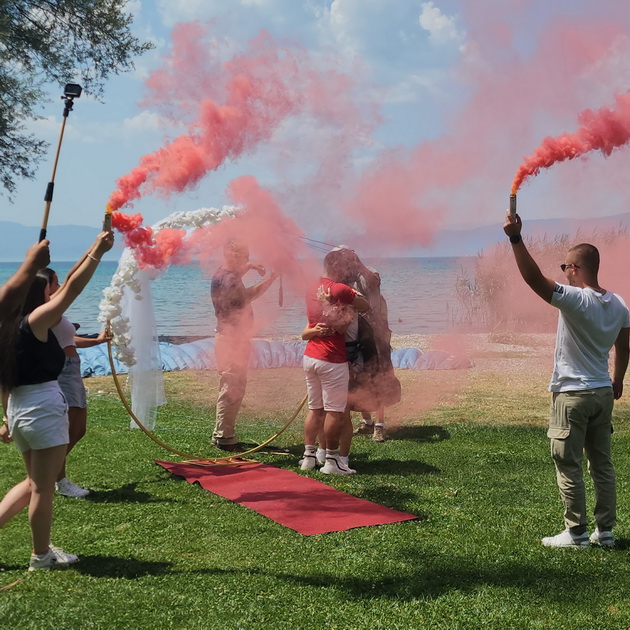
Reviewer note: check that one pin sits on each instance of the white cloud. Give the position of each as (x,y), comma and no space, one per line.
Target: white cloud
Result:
(147,121)
(431,82)
(186,10)
(133,7)
(344,24)
(48,128)
(442,28)
(145,125)
(244,19)
(387,34)
(144,121)
(395,46)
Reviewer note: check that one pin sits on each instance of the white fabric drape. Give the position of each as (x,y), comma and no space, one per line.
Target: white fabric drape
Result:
(145,376)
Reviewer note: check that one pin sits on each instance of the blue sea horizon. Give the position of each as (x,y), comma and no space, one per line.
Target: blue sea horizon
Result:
(420,292)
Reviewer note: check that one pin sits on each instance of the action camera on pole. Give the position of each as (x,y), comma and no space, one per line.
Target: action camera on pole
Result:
(70,92)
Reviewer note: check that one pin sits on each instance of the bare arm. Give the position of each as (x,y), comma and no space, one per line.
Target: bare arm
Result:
(360,304)
(5,436)
(76,265)
(13,291)
(622,353)
(44,317)
(90,342)
(256,290)
(527,266)
(319,330)
(255,267)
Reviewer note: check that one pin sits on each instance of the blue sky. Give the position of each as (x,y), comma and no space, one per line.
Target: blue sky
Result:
(435,79)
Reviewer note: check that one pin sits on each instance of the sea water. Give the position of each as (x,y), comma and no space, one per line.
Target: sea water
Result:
(420,293)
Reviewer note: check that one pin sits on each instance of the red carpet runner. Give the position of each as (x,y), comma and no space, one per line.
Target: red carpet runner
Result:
(300,503)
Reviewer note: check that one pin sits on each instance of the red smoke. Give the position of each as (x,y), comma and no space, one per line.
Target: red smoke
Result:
(604,129)
(231,104)
(406,194)
(158,250)
(258,96)
(312,124)
(272,238)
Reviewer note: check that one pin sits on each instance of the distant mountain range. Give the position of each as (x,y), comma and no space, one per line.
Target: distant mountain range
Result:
(68,242)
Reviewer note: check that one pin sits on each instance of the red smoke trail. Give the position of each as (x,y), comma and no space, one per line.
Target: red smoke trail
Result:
(158,250)
(231,104)
(258,97)
(273,239)
(256,101)
(407,194)
(151,250)
(604,129)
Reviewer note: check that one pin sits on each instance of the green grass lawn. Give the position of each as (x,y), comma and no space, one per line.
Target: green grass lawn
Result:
(157,552)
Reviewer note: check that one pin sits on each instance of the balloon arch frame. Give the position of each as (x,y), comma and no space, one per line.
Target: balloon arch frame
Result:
(116,314)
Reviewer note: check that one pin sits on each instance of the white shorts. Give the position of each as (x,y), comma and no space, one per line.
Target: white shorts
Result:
(326,384)
(38,416)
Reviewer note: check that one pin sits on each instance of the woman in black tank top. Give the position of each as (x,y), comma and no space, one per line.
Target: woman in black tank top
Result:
(36,410)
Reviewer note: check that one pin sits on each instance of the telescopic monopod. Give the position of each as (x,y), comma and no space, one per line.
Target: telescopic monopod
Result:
(70,92)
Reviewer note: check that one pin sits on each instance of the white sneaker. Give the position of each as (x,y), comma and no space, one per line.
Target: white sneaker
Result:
(334,466)
(321,456)
(346,462)
(567,539)
(55,558)
(603,538)
(308,462)
(66,488)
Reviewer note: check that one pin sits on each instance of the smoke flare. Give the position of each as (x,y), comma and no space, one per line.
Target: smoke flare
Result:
(605,129)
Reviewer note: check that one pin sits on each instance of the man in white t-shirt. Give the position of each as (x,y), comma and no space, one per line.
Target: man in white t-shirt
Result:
(591,321)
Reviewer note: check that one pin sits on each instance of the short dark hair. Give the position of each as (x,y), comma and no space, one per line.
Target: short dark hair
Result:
(588,255)
(47,273)
(233,244)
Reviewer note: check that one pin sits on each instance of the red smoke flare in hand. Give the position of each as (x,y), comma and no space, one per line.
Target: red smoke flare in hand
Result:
(604,129)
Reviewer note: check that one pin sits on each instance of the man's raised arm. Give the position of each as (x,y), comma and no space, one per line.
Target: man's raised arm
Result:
(529,269)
